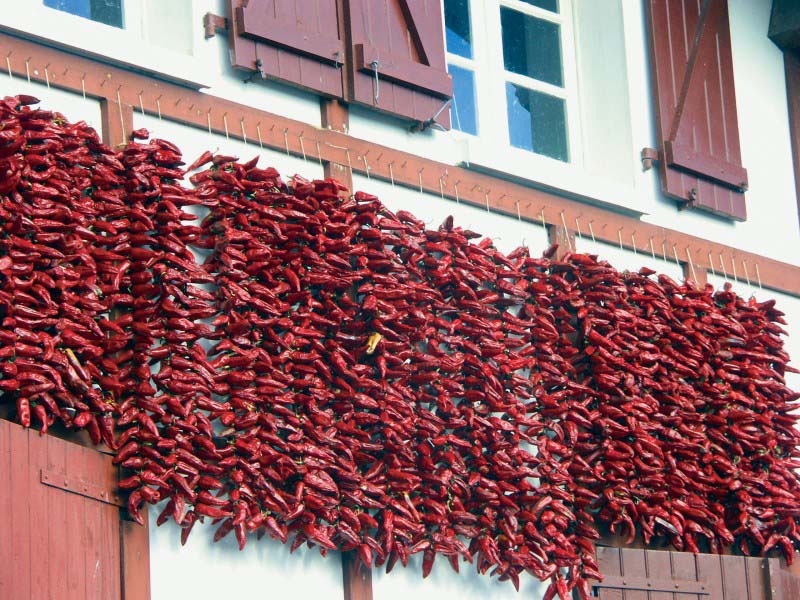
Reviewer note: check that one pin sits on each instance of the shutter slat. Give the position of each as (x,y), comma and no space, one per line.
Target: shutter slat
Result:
(692,66)
(294,41)
(405,40)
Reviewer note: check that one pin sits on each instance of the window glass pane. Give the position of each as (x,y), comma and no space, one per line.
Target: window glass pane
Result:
(108,12)
(531,46)
(102,11)
(75,7)
(456,22)
(551,5)
(464,115)
(537,122)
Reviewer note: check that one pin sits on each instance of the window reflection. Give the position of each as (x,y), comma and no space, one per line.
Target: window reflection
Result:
(537,122)
(531,47)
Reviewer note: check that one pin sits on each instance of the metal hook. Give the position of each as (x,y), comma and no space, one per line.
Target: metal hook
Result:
(486,198)
(28,68)
(419,173)
(286,142)
(366,165)
(652,248)
(377,85)
(675,253)
(746,274)
(158,106)
(391,174)
(664,250)
(141,103)
(319,154)
(733,263)
(711,264)
(208,119)
(302,145)
(83,85)
(261,143)
(441,184)
(455,187)
(225,125)
(8,64)
(691,265)
(758,275)
(121,115)
(578,228)
(722,264)
(244,134)
(47,76)
(619,236)
(591,232)
(349,164)
(541,214)
(519,216)
(633,243)
(566,232)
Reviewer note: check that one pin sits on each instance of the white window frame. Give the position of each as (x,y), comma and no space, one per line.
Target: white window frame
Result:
(491,150)
(127,46)
(490,77)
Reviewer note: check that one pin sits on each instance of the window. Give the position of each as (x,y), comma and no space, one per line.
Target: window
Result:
(460,64)
(108,12)
(522,58)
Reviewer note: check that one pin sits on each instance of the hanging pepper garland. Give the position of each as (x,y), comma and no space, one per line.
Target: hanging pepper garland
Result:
(331,373)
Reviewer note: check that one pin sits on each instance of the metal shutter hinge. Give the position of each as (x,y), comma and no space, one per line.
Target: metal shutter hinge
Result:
(213,23)
(649,158)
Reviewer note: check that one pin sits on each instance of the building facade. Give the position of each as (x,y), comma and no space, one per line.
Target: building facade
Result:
(659,133)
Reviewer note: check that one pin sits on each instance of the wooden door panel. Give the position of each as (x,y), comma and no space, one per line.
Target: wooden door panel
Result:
(60,538)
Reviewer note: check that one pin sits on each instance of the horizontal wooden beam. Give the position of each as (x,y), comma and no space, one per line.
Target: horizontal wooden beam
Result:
(260,128)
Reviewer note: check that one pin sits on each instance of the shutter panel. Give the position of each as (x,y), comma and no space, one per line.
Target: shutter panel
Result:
(402,41)
(294,41)
(698,133)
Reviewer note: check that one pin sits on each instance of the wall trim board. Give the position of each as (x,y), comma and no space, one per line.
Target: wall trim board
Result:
(152,96)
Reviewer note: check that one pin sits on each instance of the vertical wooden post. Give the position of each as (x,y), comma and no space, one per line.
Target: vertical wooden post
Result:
(698,274)
(356,578)
(791,60)
(565,238)
(135,554)
(116,122)
(336,117)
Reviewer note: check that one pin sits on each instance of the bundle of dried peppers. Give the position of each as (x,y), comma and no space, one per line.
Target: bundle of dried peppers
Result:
(284,358)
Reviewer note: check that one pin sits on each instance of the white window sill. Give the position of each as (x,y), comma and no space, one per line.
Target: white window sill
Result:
(109,44)
(563,179)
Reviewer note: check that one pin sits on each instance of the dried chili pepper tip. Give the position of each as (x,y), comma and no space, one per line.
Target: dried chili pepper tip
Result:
(140,134)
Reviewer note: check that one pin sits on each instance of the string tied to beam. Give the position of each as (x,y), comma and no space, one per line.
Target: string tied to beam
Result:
(691,265)
(566,231)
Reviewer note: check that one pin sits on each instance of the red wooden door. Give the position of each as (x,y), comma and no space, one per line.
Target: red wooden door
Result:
(60,530)
(640,574)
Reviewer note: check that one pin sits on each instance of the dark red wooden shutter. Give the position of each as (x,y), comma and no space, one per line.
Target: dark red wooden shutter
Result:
(295,41)
(398,58)
(690,48)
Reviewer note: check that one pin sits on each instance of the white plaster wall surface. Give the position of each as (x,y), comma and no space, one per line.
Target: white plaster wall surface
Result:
(72,106)
(205,570)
